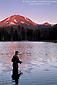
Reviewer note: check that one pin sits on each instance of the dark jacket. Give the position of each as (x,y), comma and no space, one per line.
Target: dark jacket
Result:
(15,61)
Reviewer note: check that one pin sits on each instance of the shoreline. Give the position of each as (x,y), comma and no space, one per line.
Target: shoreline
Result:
(52,41)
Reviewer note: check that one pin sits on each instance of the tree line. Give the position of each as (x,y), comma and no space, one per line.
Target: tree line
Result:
(21,33)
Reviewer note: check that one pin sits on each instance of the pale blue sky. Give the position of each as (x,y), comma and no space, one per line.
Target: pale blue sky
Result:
(37,13)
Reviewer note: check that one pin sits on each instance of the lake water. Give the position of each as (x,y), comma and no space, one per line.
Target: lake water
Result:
(39,65)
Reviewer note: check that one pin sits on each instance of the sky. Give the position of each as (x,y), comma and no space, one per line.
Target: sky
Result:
(39,12)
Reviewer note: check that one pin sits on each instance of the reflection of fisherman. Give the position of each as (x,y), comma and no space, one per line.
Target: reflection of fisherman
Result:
(16,78)
(15,61)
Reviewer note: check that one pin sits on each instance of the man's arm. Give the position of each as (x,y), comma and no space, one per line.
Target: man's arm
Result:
(19,60)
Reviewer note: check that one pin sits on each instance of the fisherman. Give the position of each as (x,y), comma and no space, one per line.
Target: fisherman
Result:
(15,61)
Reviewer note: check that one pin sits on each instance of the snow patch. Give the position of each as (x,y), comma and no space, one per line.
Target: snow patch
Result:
(15,20)
(8,19)
(12,23)
(7,22)
(26,19)
(22,22)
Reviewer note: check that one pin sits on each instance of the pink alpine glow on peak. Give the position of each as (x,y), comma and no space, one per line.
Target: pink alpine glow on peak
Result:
(17,20)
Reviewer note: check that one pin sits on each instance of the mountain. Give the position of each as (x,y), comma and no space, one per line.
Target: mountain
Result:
(16,20)
(44,25)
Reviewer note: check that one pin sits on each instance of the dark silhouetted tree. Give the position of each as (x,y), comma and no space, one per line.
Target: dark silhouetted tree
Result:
(19,33)
(11,33)
(0,36)
(30,34)
(15,36)
(23,33)
(8,37)
(3,35)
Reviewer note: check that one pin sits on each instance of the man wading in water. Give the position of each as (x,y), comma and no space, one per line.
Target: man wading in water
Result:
(15,61)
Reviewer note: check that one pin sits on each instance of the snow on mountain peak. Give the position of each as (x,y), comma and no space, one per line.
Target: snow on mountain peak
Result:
(18,20)
(12,23)
(22,22)
(7,22)
(26,19)
(8,19)
(15,20)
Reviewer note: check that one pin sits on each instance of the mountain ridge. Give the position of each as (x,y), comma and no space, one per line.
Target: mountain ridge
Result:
(21,20)
(18,20)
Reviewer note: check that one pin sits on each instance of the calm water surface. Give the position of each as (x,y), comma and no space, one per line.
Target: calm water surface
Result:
(39,65)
